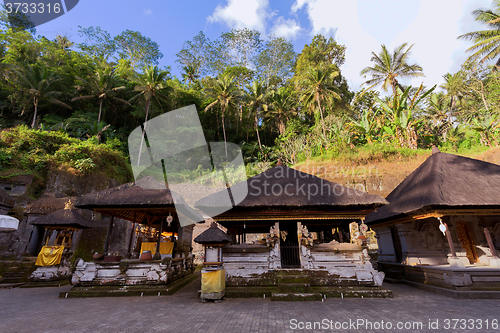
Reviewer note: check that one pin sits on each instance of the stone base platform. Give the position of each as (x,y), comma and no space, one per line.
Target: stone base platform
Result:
(132,290)
(471,281)
(314,293)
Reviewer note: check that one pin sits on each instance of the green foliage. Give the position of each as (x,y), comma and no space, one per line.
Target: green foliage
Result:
(38,151)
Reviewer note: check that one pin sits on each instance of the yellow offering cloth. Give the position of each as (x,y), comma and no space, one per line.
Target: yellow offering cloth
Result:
(49,256)
(213,281)
(165,247)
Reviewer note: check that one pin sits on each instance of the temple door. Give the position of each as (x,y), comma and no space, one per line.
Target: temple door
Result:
(289,245)
(465,238)
(398,250)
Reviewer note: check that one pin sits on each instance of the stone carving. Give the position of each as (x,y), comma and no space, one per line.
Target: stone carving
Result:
(306,238)
(354,232)
(430,237)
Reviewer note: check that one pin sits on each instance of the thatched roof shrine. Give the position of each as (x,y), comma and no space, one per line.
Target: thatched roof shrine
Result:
(48,203)
(144,201)
(444,183)
(282,193)
(213,235)
(64,218)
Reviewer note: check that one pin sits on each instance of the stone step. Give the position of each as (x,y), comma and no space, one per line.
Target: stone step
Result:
(283,272)
(296,297)
(11,285)
(356,292)
(13,275)
(40,284)
(293,279)
(294,287)
(136,290)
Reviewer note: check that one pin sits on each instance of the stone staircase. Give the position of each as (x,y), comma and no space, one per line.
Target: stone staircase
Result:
(294,285)
(18,273)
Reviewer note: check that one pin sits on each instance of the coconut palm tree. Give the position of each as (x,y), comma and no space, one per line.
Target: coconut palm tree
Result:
(256,100)
(388,67)
(281,108)
(317,87)
(226,95)
(151,85)
(37,82)
(486,42)
(190,73)
(101,85)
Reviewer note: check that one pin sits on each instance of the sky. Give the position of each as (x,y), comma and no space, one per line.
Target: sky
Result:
(361,25)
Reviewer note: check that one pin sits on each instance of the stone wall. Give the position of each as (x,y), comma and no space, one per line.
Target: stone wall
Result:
(422,243)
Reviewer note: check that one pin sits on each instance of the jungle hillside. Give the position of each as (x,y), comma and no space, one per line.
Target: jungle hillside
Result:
(71,106)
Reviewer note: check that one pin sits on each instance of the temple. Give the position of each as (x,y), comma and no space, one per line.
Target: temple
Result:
(300,226)
(441,230)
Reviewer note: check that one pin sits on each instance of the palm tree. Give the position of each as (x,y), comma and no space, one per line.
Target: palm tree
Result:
(38,82)
(256,100)
(317,87)
(281,107)
(190,73)
(101,85)
(226,95)
(151,85)
(438,113)
(389,67)
(486,42)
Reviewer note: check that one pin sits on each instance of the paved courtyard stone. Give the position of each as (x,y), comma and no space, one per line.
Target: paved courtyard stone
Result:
(41,310)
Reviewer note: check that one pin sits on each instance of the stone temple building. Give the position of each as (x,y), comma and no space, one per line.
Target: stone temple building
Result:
(441,228)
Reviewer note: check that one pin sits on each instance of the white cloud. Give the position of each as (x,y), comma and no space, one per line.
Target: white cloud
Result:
(241,14)
(434,34)
(148,11)
(286,28)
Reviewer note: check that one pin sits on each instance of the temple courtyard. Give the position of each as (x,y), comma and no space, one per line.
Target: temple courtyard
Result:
(41,310)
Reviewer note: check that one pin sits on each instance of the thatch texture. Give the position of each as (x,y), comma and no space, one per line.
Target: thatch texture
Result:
(213,235)
(443,181)
(48,203)
(63,218)
(284,189)
(6,200)
(142,202)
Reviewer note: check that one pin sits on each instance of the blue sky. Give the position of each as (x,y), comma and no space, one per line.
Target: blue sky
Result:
(362,25)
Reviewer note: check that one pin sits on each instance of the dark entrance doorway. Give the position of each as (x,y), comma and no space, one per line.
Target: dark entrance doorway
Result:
(289,245)
(397,244)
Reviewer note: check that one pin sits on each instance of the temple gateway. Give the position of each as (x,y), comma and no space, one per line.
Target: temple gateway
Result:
(304,221)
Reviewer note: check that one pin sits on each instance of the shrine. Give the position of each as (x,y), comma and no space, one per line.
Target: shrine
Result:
(151,209)
(299,224)
(441,228)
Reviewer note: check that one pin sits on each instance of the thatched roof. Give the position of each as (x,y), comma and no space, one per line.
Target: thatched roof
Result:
(138,201)
(63,218)
(6,200)
(213,235)
(48,203)
(443,181)
(283,189)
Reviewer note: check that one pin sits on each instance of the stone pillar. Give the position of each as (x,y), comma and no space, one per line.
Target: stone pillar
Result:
(454,260)
(110,230)
(494,260)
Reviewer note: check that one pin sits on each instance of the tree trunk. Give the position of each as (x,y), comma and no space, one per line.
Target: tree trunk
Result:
(148,102)
(100,108)
(224,129)
(322,120)
(34,116)
(257,129)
